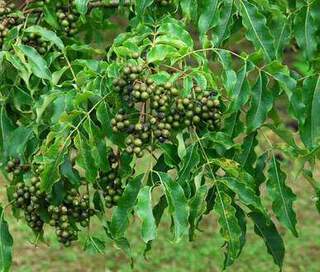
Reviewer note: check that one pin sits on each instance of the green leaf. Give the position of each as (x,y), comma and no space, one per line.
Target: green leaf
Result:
(208,15)
(247,156)
(157,211)
(309,176)
(6,243)
(189,163)
(175,29)
(161,52)
(222,30)
(6,128)
(197,209)
(43,103)
(2,55)
(240,92)
(230,229)
(37,64)
(181,146)
(168,40)
(220,141)
(211,199)
(47,35)
(104,117)
(70,173)
(98,145)
(125,170)
(85,158)
(141,6)
(82,6)
(123,244)
(233,125)
(120,216)
(51,160)
(231,167)
(246,194)
(178,205)
(230,78)
(50,17)
(18,141)
(282,196)
(241,216)
(259,176)
(281,30)
(310,130)
(297,105)
(270,235)
(21,68)
(261,104)
(144,211)
(94,245)
(170,155)
(257,30)
(305,31)
(281,74)
(189,8)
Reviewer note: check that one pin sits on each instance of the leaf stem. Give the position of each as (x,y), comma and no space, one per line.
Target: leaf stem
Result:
(71,69)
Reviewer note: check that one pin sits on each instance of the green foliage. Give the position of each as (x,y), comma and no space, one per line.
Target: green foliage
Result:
(188,95)
(6,244)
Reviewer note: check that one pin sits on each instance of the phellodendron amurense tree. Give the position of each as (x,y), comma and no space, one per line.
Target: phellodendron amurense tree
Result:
(187,90)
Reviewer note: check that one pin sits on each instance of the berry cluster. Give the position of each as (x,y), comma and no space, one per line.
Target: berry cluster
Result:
(68,17)
(113,191)
(110,183)
(6,8)
(160,108)
(6,20)
(139,132)
(36,42)
(74,209)
(136,88)
(29,198)
(15,167)
(63,215)
(200,107)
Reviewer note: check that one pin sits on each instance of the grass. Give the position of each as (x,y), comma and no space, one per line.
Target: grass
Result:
(203,255)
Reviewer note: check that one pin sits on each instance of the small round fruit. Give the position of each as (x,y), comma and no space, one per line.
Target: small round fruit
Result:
(137,142)
(135,55)
(196,119)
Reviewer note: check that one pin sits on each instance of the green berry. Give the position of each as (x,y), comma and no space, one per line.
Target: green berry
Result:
(137,142)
